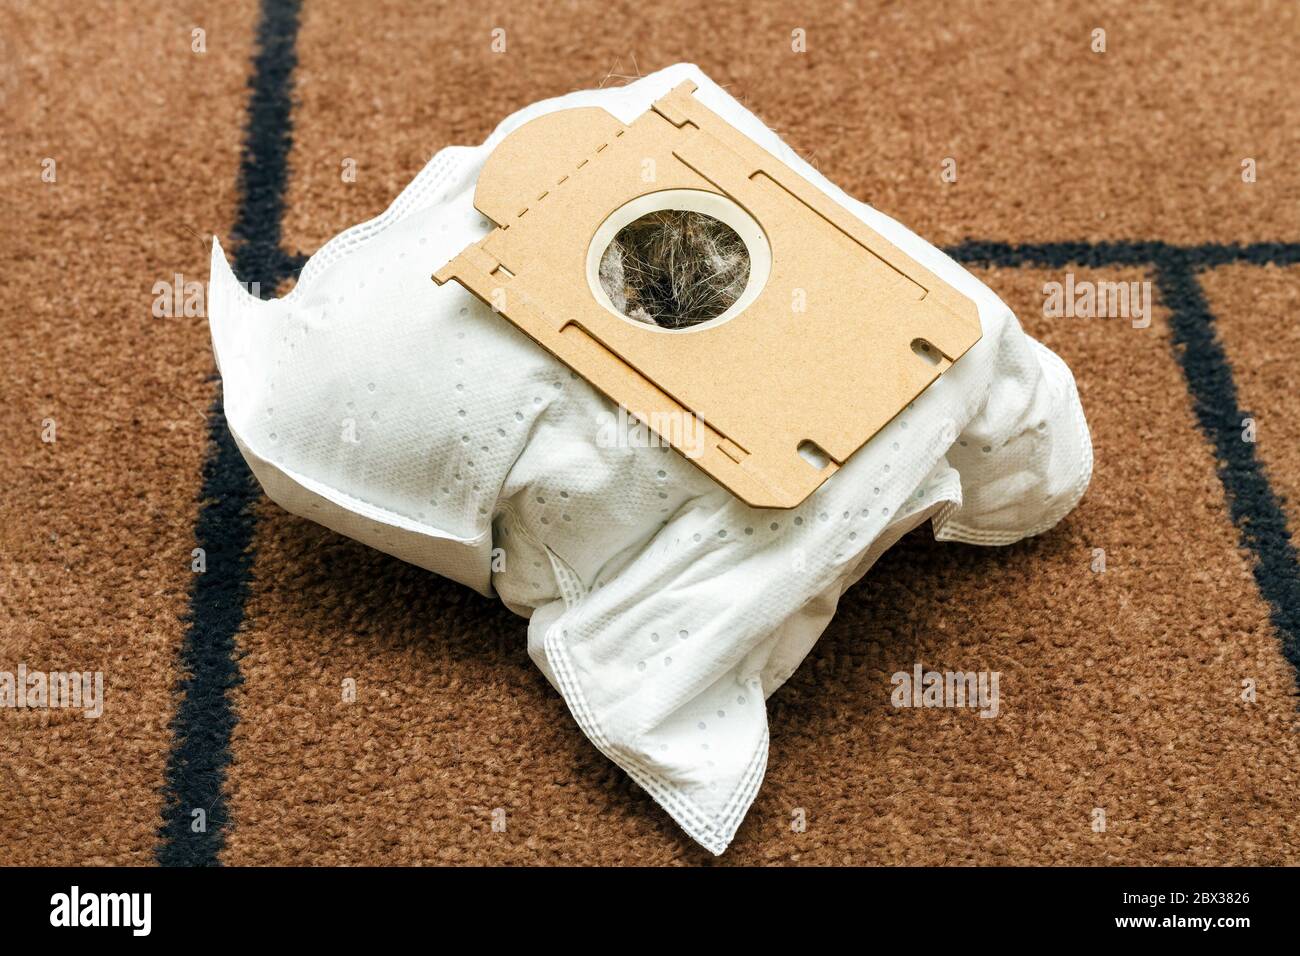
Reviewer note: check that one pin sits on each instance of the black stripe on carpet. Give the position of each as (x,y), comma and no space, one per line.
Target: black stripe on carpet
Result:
(1256,510)
(195,817)
(1056,255)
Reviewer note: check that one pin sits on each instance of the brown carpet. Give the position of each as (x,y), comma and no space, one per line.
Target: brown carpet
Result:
(98,525)
(1121,691)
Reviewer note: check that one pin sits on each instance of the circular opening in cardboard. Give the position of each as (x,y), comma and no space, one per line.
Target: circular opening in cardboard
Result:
(678,260)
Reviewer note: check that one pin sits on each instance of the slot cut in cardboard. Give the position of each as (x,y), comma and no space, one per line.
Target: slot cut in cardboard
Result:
(835,333)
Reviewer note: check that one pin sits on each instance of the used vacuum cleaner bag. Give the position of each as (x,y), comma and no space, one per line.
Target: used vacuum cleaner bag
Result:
(412,418)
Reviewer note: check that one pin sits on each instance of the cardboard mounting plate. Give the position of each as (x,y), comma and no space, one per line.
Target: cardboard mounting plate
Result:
(837,333)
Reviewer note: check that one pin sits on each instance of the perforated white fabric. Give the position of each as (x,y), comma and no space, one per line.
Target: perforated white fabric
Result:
(414,419)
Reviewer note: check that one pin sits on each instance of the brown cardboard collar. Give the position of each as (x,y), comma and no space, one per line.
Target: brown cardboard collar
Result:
(841,332)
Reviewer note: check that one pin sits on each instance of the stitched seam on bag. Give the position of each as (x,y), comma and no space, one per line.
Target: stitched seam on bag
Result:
(437,172)
(711,832)
(586,718)
(571,587)
(332,494)
(572,590)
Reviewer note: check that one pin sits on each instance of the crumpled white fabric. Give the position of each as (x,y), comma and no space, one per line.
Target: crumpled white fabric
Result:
(412,418)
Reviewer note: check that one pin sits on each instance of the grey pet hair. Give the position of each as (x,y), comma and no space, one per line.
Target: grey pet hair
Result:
(674,268)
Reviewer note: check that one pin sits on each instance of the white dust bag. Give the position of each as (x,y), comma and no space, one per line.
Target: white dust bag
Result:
(414,419)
